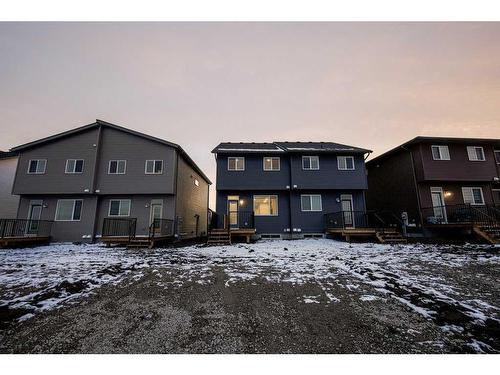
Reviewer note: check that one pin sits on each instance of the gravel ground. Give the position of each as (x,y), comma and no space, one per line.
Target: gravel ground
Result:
(310,296)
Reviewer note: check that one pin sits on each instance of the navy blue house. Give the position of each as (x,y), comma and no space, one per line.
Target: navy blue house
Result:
(284,189)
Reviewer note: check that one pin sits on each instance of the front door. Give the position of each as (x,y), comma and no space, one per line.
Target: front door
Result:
(438,204)
(34,215)
(347,210)
(232,208)
(155,215)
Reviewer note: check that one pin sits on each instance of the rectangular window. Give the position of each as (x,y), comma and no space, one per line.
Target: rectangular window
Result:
(69,210)
(440,152)
(496,196)
(265,205)
(74,166)
(311,202)
(196,182)
(310,163)
(271,163)
(236,164)
(117,166)
(497,156)
(345,163)
(119,207)
(473,195)
(475,153)
(37,166)
(154,166)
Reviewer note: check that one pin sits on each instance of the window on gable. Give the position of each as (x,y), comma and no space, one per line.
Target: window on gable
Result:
(475,153)
(497,156)
(119,207)
(196,182)
(311,202)
(74,166)
(154,166)
(236,163)
(473,195)
(37,166)
(265,205)
(271,163)
(69,210)
(345,163)
(310,162)
(440,153)
(117,166)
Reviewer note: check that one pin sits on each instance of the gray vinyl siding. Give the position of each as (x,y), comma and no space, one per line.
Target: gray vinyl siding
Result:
(8,201)
(191,200)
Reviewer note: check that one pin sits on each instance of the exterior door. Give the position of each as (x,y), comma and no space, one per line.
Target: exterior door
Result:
(347,210)
(232,208)
(155,215)
(438,204)
(34,215)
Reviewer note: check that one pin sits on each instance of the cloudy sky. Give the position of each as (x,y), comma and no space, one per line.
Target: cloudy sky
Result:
(372,85)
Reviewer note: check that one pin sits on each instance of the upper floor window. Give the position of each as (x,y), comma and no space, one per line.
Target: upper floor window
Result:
(265,205)
(196,182)
(311,202)
(236,164)
(117,166)
(475,153)
(154,166)
(345,163)
(74,166)
(37,166)
(310,162)
(473,195)
(497,156)
(119,207)
(271,163)
(69,210)
(440,153)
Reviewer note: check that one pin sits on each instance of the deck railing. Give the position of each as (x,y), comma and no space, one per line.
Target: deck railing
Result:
(14,228)
(240,220)
(114,227)
(468,214)
(362,219)
(162,228)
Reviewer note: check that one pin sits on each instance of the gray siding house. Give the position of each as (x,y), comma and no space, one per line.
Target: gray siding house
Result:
(8,201)
(284,189)
(83,176)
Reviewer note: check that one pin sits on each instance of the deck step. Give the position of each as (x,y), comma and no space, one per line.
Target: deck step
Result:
(390,237)
(219,237)
(489,233)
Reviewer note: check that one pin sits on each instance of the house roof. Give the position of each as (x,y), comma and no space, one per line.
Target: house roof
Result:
(99,123)
(440,140)
(6,154)
(299,147)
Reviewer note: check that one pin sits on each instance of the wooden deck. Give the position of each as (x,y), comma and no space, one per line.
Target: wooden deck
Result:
(23,241)
(247,233)
(383,235)
(135,241)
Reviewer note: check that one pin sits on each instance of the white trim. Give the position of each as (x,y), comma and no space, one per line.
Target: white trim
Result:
(310,201)
(37,160)
(267,196)
(350,198)
(75,160)
(464,188)
(310,163)
(442,155)
(154,202)
(271,157)
(119,207)
(345,158)
(72,211)
(154,162)
(118,161)
(472,154)
(236,164)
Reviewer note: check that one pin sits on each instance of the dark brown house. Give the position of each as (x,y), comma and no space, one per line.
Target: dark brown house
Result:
(439,182)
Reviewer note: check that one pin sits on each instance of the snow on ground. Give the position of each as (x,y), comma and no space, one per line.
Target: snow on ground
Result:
(427,279)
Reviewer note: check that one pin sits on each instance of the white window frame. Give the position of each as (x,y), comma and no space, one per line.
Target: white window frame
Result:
(118,161)
(310,201)
(272,158)
(154,162)
(236,164)
(469,148)
(440,147)
(310,163)
(497,152)
(267,196)
(472,195)
(119,207)
(37,161)
(73,210)
(196,182)
(339,158)
(74,166)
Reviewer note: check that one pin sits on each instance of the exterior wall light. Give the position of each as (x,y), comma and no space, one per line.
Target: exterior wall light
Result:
(448,194)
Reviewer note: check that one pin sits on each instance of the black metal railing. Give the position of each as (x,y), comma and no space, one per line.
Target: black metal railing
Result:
(162,228)
(10,228)
(363,219)
(112,227)
(462,214)
(241,219)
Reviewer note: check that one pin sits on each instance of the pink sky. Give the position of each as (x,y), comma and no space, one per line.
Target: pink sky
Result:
(373,85)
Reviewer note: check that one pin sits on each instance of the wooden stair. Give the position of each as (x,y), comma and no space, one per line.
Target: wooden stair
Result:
(390,236)
(489,233)
(140,243)
(219,237)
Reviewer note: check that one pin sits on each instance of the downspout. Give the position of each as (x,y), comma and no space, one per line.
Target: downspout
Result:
(366,175)
(94,179)
(417,191)
(290,198)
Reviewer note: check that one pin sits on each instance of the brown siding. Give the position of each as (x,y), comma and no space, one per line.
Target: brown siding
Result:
(455,189)
(191,200)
